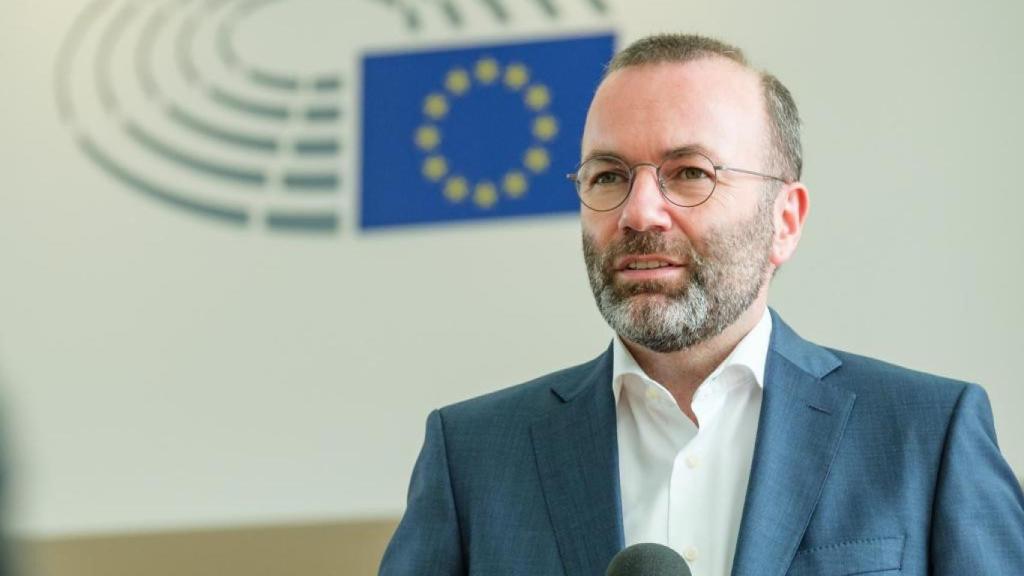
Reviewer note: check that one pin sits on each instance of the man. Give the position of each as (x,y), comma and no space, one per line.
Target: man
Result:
(708,425)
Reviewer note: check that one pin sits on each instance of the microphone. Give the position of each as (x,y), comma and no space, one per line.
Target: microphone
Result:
(648,559)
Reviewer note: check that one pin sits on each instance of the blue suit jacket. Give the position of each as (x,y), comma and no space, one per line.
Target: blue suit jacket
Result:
(859,467)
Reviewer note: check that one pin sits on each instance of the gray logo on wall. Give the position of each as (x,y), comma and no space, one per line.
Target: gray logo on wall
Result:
(184,102)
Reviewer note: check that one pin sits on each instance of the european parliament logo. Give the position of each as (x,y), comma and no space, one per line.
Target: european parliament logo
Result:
(475,133)
(215,109)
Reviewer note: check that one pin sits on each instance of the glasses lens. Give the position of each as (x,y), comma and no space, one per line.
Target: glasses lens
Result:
(689,179)
(602,182)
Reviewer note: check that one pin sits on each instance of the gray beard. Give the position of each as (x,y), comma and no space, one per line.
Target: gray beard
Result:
(720,285)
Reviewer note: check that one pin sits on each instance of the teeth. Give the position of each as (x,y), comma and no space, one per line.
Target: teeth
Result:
(648,265)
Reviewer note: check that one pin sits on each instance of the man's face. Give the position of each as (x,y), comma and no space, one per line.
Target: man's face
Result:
(712,260)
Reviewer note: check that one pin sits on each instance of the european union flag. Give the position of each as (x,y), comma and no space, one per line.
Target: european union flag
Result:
(474,133)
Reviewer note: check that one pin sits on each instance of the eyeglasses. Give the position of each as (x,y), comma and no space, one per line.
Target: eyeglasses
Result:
(687,180)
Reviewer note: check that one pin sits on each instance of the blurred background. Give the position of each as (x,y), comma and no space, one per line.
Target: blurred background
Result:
(246,246)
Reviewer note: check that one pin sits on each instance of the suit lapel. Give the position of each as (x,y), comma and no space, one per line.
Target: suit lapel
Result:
(802,421)
(577,456)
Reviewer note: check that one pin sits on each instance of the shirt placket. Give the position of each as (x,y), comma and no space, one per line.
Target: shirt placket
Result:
(690,486)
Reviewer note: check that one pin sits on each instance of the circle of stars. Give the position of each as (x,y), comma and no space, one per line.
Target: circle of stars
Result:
(428,137)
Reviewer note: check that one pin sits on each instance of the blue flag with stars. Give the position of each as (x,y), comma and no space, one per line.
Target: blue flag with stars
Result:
(475,133)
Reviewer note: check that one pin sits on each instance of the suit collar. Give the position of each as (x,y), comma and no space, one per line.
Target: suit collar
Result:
(576,448)
(810,358)
(801,424)
(595,373)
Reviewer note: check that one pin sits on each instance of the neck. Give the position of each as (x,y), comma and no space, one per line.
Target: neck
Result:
(683,371)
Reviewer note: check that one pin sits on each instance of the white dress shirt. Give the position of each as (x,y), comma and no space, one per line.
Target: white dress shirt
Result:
(683,485)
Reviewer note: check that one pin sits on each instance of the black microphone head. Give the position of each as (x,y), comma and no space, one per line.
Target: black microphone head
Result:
(648,559)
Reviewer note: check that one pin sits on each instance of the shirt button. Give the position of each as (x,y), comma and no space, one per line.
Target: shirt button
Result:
(652,392)
(690,554)
(692,461)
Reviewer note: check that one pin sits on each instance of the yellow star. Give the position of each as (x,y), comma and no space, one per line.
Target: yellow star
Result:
(487,70)
(435,105)
(516,76)
(457,81)
(485,194)
(537,159)
(428,137)
(545,127)
(456,189)
(537,97)
(514,184)
(435,168)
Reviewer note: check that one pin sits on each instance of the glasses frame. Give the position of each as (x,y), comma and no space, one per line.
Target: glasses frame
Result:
(574,177)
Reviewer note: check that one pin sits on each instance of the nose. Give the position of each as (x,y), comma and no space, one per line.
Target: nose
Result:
(645,208)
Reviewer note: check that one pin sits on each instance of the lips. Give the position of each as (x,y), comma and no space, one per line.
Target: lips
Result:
(648,268)
(647,265)
(646,262)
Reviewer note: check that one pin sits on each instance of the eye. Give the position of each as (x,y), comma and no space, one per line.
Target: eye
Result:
(603,172)
(607,177)
(686,169)
(686,172)
(692,173)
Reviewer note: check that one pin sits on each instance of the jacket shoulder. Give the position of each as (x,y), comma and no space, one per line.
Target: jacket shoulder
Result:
(870,377)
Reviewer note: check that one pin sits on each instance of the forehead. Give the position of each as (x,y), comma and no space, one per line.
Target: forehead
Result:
(643,112)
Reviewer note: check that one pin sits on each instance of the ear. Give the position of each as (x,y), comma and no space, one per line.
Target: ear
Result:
(790,211)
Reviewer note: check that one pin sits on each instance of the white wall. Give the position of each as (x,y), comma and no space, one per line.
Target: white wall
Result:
(159,370)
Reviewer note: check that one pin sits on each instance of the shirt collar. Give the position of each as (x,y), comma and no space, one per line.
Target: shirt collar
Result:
(751,352)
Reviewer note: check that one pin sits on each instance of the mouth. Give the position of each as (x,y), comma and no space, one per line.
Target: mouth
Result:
(648,267)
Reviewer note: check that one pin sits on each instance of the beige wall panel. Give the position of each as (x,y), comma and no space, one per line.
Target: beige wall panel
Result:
(334,549)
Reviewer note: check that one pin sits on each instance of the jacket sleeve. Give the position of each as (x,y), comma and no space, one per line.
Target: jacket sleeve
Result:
(978,514)
(427,540)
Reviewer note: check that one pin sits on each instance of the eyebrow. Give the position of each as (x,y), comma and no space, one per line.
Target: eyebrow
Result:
(677,151)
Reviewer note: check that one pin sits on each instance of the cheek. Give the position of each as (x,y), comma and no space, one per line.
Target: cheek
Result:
(713,219)
(600,227)
(694,224)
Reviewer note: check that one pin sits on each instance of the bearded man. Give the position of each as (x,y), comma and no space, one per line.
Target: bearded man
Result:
(708,425)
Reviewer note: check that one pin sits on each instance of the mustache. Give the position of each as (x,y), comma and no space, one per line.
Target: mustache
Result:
(639,243)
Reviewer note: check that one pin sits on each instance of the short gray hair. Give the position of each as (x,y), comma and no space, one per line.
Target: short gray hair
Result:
(786,154)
